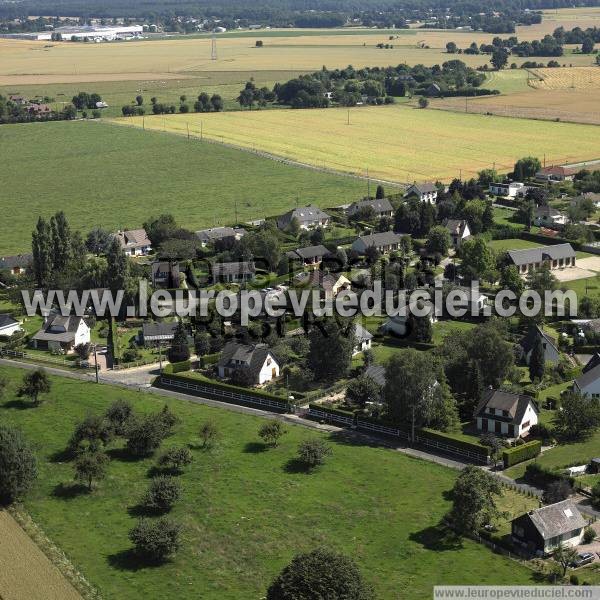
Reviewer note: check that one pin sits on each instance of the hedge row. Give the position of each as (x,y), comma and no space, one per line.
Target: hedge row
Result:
(177,367)
(332,411)
(513,456)
(543,476)
(447,438)
(209,359)
(547,241)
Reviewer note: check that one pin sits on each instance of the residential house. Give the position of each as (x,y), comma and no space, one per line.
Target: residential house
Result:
(376,373)
(505,413)
(38,109)
(425,192)
(541,530)
(135,242)
(475,303)
(8,325)
(508,190)
(594,361)
(310,256)
(559,256)
(62,334)
(551,351)
(555,174)
(380,207)
(165,274)
(458,229)
(329,284)
(233,272)
(433,90)
(17,265)
(155,333)
(593,196)
(384,242)
(220,234)
(308,217)
(398,325)
(546,216)
(258,359)
(588,383)
(362,339)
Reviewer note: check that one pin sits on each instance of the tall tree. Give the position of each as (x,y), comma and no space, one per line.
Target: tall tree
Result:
(34,384)
(473,389)
(61,241)
(380,192)
(331,347)
(118,267)
(18,466)
(537,360)
(41,245)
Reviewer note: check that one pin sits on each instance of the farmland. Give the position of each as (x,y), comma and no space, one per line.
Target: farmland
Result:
(586,78)
(118,177)
(245,514)
(397,143)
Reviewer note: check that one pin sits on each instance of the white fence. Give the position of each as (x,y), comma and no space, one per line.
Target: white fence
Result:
(5,353)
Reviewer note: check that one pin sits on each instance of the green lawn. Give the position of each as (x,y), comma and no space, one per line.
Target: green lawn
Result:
(117,177)
(443,328)
(246,510)
(504,216)
(512,244)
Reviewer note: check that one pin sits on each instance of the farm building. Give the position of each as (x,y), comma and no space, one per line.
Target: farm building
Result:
(307,217)
(81,33)
(384,242)
(560,256)
(135,242)
(257,361)
(541,531)
(506,413)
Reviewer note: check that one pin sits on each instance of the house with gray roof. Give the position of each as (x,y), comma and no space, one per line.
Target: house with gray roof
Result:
(559,256)
(310,256)
(588,383)
(233,272)
(330,284)
(220,234)
(458,229)
(8,325)
(153,333)
(381,207)
(16,265)
(505,413)
(425,192)
(257,360)
(384,242)
(362,339)
(308,217)
(62,334)
(376,373)
(540,531)
(135,242)
(527,343)
(547,216)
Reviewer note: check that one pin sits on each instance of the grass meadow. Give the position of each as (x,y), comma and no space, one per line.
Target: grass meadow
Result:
(397,143)
(246,509)
(117,177)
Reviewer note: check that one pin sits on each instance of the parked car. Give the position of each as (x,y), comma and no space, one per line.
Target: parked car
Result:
(585,558)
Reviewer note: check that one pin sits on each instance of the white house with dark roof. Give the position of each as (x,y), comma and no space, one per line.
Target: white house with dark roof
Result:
(546,216)
(551,351)
(8,325)
(308,217)
(310,256)
(62,333)
(541,530)
(505,413)
(381,207)
(384,242)
(559,256)
(508,190)
(153,333)
(588,383)
(135,242)
(362,339)
(257,359)
(425,192)
(458,229)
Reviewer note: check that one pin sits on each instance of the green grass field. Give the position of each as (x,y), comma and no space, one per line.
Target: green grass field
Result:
(117,177)
(246,511)
(511,244)
(396,142)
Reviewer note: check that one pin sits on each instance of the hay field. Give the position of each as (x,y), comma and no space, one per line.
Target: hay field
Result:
(578,78)
(25,571)
(397,143)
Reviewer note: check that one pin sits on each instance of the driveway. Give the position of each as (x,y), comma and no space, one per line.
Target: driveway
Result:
(136,377)
(574,273)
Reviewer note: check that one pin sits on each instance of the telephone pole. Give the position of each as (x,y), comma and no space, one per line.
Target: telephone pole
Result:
(213,47)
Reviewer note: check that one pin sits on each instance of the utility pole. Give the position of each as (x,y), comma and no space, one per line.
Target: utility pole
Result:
(348,121)
(368,184)
(466,104)
(213,47)
(188,131)
(160,358)
(144,123)
(96,364)
(236,212)
(201,130)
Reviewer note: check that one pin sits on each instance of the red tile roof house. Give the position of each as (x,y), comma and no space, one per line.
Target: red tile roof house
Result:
(134,242)
(556,173)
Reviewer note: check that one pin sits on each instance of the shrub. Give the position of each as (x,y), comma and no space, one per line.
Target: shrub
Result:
(18,466)
(179,367)
(573,579)
(118,415)
(91,433)
(518,454)
(209,434)
(313,453)
(589,535)
(145,435)
(155,540)
(320,574)
(91,466)
(174,459)
(271,431)
(595,499)
(162,494)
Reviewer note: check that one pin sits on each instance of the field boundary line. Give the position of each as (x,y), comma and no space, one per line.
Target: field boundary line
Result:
(53,553)
(264,154)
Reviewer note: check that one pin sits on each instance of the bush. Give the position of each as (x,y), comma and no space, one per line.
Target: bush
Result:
(543,476)
(209,434)
(91,466)
(589,535)
(118,415)
(313,453)
(162,494)
(93,432)
(155,540)
(271,431)
(145,435)
(518,454)
(573,579)
(18,466)
(179,367)
(320,574)
(174,459)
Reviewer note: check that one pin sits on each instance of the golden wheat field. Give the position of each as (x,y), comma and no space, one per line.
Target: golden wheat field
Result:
(25,572)
(579,78)
(396,143)
(25,62)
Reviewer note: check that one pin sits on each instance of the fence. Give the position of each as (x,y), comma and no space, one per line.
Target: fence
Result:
(225,395)
(5,353)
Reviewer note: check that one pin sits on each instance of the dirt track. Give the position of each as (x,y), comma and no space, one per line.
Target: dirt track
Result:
(25,571)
